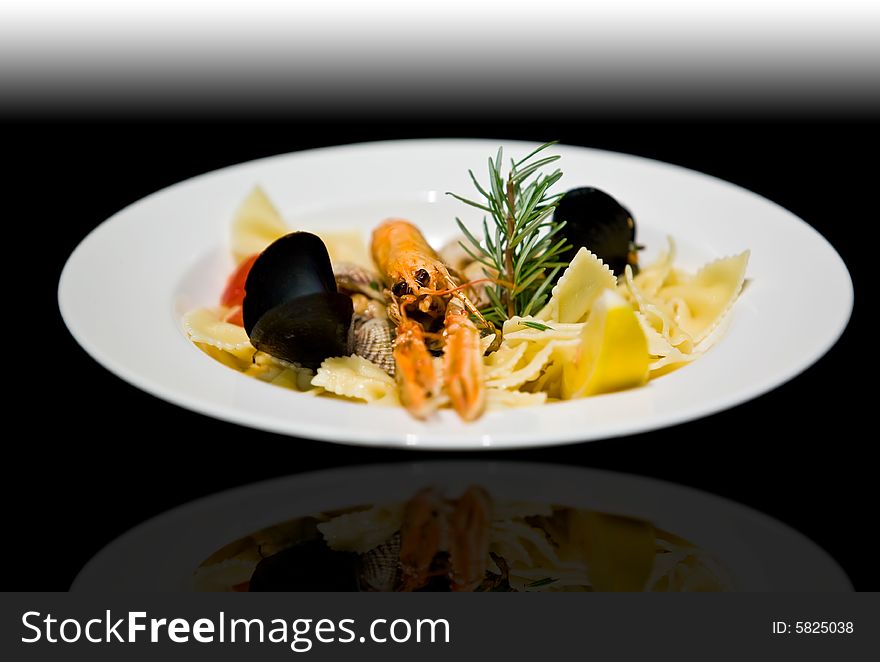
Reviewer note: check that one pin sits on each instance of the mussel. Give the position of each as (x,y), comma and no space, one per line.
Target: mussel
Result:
(596,220)
(292,309)
(311,565)
(307,566)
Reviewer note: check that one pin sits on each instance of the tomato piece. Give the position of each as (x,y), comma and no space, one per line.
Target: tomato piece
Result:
(234,316)
(233,295)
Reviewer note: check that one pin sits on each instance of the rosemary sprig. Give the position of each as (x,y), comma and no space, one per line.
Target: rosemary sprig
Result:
(521,251)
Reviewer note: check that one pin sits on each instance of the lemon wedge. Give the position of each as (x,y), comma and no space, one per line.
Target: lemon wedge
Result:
(256,225)
(613,353)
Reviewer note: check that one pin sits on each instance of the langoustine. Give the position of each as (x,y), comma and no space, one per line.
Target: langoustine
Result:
(442,540)
(428,307)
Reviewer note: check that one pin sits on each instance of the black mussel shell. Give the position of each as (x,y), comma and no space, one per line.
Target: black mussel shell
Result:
(291,307)
(295,265)
(305,330)
(307,566)
(596,220)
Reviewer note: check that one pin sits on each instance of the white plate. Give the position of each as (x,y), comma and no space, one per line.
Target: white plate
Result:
(757,552)
(125,288)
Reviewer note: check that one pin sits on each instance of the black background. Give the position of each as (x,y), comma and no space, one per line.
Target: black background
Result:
(89,456)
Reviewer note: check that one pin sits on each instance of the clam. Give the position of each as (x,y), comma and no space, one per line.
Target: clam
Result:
(596,220)
(292,309)
(380,567)
(355,279)
(373,339)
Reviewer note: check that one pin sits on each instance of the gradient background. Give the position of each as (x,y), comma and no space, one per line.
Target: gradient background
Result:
(783,102)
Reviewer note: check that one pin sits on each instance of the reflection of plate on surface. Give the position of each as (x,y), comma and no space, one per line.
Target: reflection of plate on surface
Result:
(754,552)
(126,286)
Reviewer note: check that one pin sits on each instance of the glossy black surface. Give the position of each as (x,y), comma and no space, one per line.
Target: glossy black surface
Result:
(596,220)
(305,330)
(307,566)
(92,456)
(293,266)
(291,307)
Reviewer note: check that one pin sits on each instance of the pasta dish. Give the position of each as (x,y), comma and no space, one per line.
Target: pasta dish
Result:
(548,302)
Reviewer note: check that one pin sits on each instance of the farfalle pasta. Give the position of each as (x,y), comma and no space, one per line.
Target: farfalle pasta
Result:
(680,312)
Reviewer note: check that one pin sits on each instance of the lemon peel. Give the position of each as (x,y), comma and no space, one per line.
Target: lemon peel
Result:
(613,352)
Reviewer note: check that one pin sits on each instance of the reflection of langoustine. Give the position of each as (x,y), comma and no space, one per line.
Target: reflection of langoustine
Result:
(430,527)
(472,542)
(422,291)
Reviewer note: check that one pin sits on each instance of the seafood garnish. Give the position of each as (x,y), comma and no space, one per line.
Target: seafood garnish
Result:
(380,567)
(372,338)
(421,292)
(435,541)
(423,534)
(469,527)
(594,219)
(292,308)
(549,303)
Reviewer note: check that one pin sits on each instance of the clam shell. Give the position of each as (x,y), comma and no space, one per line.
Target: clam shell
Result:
(353,278)
(367,307)
(373,339)
(380,567)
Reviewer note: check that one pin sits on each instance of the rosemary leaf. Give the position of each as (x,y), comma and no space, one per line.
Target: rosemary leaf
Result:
(471,203)
(525,173)
(476,184)
(538,326)
(537,300)
(481,259)
(473,241)
(531,154)
(524,284)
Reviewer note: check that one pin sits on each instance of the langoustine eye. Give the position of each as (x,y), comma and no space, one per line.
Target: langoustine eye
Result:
(422,277)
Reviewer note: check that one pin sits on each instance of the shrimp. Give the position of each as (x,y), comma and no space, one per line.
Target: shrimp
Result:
(426,302)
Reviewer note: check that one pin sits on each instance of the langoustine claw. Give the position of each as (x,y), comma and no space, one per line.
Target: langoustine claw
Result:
(422,535)
(469,527)
(463,363)
(439,540)
(414,369)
